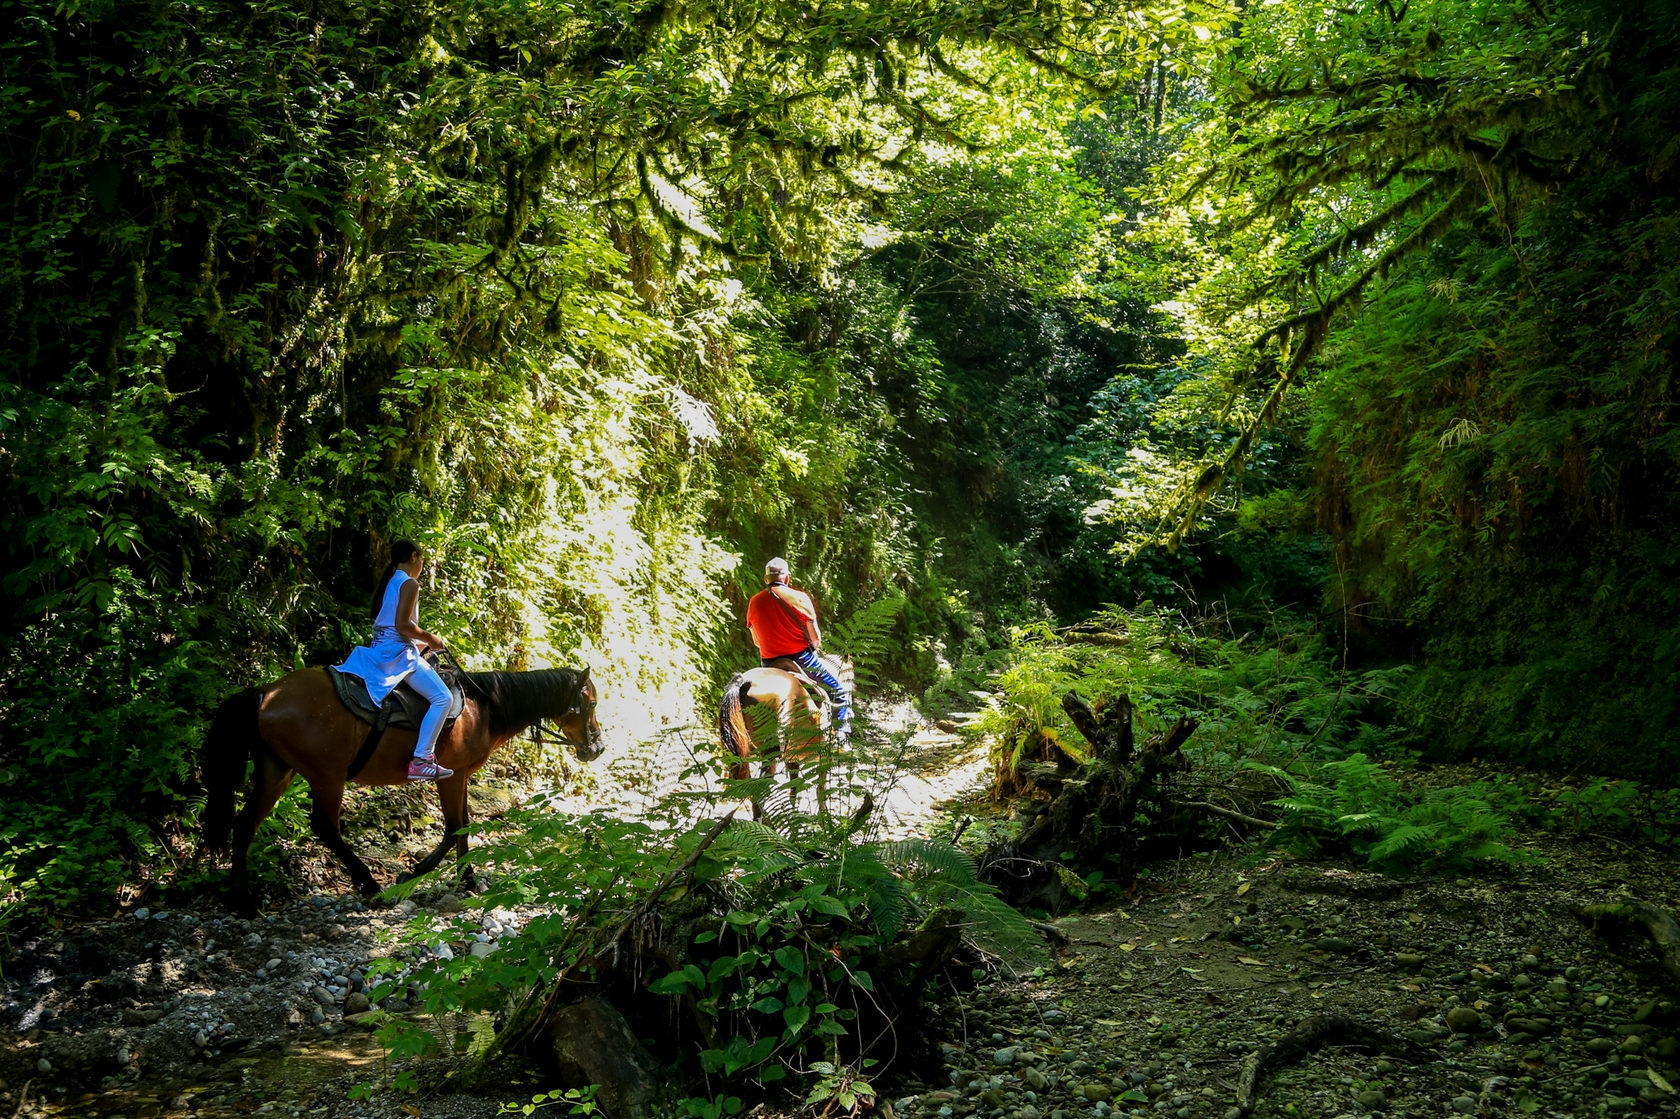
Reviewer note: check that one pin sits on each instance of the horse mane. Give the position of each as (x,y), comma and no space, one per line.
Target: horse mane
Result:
(513,701)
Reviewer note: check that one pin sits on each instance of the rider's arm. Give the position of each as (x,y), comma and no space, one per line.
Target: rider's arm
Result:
(813,632)
(408,619)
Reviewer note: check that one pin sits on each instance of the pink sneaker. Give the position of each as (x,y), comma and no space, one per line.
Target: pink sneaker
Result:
(425,769)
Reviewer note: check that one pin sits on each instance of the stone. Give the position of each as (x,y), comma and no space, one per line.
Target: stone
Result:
(1372,1100)
(1035,1078)
(1465,1105)
(1095,1092)
(481,950)
(593,1044)
(448,904)
(356,1003)
(1409,960)
(1004,1056)
(1463,1020)
(321,995)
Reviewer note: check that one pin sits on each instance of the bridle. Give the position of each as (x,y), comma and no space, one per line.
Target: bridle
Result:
(577,708)
(467,682)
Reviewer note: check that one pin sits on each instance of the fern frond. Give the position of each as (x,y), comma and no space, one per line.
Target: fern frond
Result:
(866,635)
(1400,841)
(992,926)
(921,858)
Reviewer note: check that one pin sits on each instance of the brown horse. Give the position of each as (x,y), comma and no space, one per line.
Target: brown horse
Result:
(297,726)
(802,716)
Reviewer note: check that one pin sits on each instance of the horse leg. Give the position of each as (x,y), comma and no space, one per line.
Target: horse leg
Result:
(323,821)
(452,798)
(270,778)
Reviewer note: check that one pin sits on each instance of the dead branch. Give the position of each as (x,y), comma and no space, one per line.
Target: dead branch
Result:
(1230,814)
(1309,1037)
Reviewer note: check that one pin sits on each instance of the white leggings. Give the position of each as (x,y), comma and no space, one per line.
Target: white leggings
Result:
(425,680)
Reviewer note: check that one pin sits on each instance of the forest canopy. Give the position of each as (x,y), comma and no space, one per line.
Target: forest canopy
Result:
(1362,313)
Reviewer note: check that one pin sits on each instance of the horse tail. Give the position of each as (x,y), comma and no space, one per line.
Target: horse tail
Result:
(732,727)
(230,742)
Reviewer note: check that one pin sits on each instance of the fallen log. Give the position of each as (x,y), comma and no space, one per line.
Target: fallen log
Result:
(1309,1037)
(1090,803)
(1658,924)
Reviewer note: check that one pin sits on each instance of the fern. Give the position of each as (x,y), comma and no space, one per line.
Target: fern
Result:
(1358,806)
(926,858)
(866,636)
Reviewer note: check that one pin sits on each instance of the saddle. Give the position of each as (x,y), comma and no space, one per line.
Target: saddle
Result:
(402,710)
(792,668)
(403,707)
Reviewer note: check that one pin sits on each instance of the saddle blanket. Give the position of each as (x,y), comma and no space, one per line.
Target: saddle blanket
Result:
(404,707)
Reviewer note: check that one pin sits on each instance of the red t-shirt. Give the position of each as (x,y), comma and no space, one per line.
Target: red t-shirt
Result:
(780,632)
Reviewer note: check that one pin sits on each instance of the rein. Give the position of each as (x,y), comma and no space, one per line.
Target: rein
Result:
(576,707)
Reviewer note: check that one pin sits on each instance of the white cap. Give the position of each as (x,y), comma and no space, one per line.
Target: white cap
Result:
(777,566)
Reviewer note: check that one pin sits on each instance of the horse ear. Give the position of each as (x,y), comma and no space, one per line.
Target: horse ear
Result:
(583,676)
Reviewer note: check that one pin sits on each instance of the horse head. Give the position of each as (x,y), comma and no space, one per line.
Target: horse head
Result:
(578,725)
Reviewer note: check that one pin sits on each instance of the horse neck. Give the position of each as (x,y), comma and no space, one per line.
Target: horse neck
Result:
(513,701)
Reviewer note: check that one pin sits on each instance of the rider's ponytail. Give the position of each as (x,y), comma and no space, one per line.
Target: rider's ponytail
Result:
(401,552)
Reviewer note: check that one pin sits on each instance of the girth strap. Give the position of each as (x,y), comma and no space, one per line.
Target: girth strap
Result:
(369,744)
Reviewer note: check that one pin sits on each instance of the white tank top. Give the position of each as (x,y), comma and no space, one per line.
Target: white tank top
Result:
(387,615)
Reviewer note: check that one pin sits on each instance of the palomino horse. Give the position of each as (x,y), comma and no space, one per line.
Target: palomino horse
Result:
(802,716)
(297,726)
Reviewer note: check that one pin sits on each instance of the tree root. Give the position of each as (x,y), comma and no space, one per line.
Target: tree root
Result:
(1093,805)
(1310,1036)
(1659,924)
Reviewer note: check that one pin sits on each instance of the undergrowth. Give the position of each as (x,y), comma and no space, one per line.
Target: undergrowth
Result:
(766,957)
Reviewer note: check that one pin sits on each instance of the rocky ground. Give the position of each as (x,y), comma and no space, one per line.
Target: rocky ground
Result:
(1502,1000)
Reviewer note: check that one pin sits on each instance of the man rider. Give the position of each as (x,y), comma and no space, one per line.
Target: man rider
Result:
(784,624)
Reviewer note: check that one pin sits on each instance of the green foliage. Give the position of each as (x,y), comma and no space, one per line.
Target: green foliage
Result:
(1613,807)
(573,1101)
(773,934)
(1269,695)
(1354,804)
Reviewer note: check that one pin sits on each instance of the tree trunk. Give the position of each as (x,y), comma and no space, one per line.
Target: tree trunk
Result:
(1090,804)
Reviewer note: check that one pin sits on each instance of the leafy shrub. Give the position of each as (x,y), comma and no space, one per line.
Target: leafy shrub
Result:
(772,928)
(1275,695)
(1356,805)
